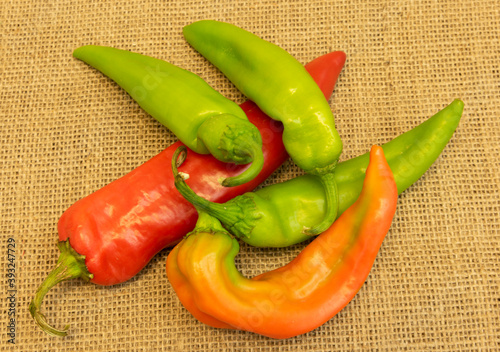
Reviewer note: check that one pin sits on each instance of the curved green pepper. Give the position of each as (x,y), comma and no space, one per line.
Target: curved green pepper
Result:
(275,216)
(283,89)
(214,125)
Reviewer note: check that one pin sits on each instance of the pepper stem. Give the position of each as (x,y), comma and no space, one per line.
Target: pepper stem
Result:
(332,204)
(251,172)
(70,265)
(238,215)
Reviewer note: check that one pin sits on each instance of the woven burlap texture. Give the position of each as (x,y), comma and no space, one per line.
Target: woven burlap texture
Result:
(66,131)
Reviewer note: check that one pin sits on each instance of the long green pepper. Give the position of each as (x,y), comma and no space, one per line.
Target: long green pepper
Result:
(275,216)
(214,124)
(282,88)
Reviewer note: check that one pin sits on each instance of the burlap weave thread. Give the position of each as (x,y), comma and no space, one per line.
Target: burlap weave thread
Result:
(66,131)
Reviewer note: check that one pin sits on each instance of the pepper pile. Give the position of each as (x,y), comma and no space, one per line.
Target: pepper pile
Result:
(211,201)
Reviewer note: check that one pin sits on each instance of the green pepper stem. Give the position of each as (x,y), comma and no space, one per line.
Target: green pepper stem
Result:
(177,159)
(331,204)
(251,172)
(238,215)
(70,265)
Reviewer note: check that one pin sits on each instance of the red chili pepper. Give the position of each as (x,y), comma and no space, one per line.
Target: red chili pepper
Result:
(110,235)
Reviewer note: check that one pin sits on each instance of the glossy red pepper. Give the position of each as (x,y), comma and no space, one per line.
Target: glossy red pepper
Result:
(110,235)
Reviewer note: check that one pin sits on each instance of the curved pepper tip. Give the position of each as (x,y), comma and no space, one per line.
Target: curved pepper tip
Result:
(326,79)
(83,51)
(376,150)
(459,104)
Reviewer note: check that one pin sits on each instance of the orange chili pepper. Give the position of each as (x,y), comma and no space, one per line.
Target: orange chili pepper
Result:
(299,296)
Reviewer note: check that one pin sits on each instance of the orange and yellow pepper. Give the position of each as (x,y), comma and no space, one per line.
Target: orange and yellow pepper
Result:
(300,296)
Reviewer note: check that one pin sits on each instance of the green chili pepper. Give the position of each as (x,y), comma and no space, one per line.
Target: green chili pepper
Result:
(282,88)
(214,124)
(274,216)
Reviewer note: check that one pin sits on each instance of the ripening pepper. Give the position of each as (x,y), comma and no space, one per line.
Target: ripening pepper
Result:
(202,118)
(300,296)
(275,216)
(281,87)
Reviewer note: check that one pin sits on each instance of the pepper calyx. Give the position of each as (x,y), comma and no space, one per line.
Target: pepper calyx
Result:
(238,215)
(232,139)
(237,143)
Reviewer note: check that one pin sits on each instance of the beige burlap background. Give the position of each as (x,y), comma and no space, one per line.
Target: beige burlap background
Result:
(66,131)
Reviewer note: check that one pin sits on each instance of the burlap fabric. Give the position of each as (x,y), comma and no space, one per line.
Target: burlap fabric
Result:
(66,131)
